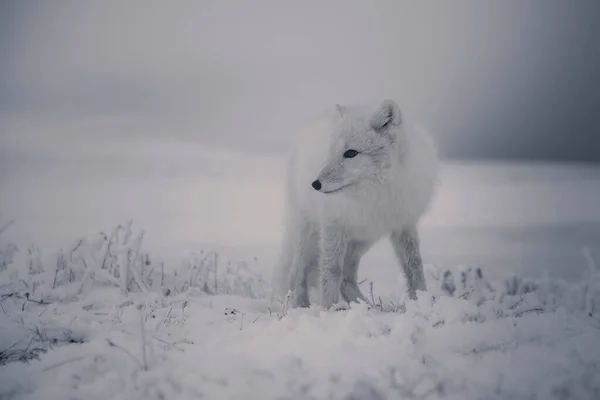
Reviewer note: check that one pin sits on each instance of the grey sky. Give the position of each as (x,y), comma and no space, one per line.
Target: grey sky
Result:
(488,78)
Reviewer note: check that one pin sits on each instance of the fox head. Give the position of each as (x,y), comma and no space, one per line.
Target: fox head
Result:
(362,148)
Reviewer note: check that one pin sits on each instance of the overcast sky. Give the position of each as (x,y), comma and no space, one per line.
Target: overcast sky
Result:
(505,78)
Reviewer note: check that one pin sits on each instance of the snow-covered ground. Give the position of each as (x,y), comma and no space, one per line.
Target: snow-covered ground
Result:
(126,314)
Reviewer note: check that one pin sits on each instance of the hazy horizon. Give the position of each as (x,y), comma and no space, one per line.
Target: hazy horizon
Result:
(490,80)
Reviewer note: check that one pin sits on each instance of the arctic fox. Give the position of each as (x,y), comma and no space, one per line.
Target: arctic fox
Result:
(354,175)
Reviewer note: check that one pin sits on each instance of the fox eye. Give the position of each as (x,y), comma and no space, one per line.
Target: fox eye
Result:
(350,153)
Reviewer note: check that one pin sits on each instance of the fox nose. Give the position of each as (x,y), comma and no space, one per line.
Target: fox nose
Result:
(316,185)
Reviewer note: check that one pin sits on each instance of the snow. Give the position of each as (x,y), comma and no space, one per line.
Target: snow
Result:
(146,345)
(180,308)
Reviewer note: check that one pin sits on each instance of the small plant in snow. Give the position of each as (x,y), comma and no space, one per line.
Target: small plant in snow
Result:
(118,260)
(30,284)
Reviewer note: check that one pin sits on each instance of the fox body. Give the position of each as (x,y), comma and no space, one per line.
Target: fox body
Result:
(355,174)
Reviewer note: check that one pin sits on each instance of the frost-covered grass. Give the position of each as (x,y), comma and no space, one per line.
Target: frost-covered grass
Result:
(105,319)
(112,263)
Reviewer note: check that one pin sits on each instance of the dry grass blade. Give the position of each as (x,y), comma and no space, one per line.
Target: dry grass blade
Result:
(537,310)
(113,344)
(60,364)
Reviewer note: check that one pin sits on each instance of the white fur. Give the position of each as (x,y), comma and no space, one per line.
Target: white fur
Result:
(388,193)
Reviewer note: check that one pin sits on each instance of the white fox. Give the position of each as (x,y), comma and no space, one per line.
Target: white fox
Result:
(354,175)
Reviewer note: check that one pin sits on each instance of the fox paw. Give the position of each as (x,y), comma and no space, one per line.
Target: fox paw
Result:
(340,306)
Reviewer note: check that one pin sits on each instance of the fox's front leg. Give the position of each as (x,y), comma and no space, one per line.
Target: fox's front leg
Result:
(355,249)
(333,245)
(304,260)
(407,248)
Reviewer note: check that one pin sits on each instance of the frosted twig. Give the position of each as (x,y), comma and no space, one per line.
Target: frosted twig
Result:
(113,344)
(162,274)
(516,304)
(183,306)
(173,345)
(372,296)
(86,275)
(164,320)
(75,249)
(128,232)
(6,296)
(60,364)
(58,260)
(27,299)
(29,344)
(284,306)
(136,277)
(539,310)
(138,280)
(108,245)
(11,346)
(123,271)
(216,261)
(143,334)
(126,303)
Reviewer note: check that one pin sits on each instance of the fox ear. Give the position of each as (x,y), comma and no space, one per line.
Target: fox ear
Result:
(386,116)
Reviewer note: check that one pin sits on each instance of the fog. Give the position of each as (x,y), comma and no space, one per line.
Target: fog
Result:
(490,79)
